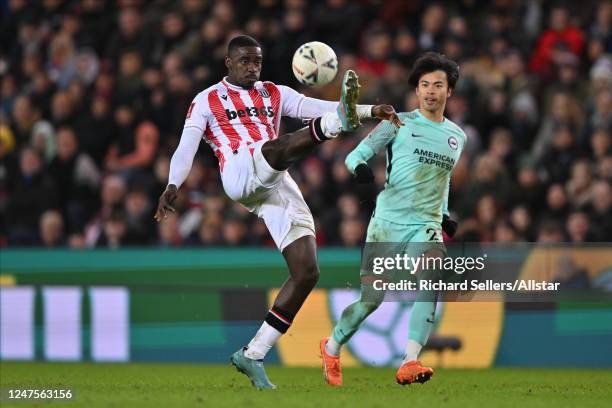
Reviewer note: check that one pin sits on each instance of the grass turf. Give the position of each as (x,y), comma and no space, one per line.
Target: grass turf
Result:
(174,385)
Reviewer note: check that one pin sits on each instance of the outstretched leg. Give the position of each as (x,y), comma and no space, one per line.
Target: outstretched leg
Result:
(282,152)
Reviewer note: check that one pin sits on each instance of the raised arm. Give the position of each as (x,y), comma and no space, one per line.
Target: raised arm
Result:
(378,138)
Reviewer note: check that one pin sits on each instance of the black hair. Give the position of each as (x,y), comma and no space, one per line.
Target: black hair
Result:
(434,61)
(242,41)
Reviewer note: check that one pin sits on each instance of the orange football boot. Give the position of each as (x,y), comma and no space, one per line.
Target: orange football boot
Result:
(413,371)
(332,373)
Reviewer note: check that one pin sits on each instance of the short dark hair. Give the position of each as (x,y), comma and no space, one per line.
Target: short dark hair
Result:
(434,61)
(242,41)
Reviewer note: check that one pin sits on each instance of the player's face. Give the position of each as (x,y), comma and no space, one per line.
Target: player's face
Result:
(433,91)
(244,66)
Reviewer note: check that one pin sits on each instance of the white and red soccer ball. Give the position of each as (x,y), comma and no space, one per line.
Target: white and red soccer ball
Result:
(315,64)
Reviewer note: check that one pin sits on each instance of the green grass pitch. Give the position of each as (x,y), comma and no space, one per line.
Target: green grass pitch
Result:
(176,385)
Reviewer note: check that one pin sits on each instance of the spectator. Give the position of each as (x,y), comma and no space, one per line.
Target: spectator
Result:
(530,190)
(557,203)
(51,229)
(172,36)
(405,48)
(433,24)
(488,178)
(139,217)
(129,84)
(521,222)
(62,65)
(209,234)
(352,232)
(77,178)
(602,115)
(205,52)
(604,168)
(94,130)
(601,145)
(234,232)
(578,227)
(114,232)
(600,210)
(502,147)
(550,232)
(487,214)
(391,88)
(130,36)
(458,111)
(168,231)
(24,117)
(559,38)
(62,109)
(377,49)
(557,159)
(563,112)
(567,77)
(314,185)
(579,186)
(76,241)
(112,195)
(32,194)
(601,74)
(504,232)
(43,140)
(130,156)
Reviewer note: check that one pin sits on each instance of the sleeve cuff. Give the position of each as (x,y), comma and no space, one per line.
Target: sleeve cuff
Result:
(364,111)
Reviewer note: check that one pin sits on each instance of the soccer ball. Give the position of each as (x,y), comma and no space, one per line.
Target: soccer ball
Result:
(315,64)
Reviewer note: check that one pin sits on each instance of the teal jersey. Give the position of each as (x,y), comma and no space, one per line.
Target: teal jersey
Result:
(421,156)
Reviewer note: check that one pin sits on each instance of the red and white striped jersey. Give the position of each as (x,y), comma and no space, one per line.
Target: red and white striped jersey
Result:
(230,117)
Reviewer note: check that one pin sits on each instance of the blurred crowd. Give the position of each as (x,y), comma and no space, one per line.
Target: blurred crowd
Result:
(94,96)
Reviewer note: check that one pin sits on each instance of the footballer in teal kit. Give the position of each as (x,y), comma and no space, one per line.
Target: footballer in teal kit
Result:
(412,208)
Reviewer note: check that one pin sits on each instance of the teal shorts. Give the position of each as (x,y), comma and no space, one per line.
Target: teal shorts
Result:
(380,230)
(388,239)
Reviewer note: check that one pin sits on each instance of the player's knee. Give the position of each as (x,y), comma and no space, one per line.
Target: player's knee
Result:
(311,277)
(309,274)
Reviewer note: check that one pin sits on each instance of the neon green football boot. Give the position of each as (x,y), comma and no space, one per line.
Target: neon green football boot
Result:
(347,108)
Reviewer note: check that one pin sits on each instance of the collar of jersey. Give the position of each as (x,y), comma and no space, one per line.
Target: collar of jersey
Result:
(236,87)
(418,112)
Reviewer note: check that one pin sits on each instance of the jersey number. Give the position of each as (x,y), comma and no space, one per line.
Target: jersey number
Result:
(434,234)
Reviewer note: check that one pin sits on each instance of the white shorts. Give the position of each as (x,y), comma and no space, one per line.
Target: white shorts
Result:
(270,194)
